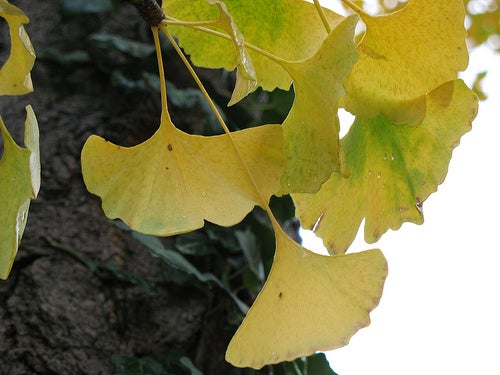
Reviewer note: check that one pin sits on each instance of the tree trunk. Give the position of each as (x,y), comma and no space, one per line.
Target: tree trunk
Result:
(63,309)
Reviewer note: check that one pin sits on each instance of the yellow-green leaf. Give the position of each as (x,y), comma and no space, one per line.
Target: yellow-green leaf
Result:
(246,81)
(174,181)
(310,303)
(394,168)
(404,56)
(311,129)
(290,29)
(19,183)
(15,77)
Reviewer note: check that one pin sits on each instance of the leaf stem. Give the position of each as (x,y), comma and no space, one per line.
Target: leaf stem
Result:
(193,25)
(163,85)
(263,201)
(354,7)
(322,15)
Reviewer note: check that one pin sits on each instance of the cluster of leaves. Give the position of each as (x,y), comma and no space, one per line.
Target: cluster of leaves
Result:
(19,167)
(483,26)
(399,81)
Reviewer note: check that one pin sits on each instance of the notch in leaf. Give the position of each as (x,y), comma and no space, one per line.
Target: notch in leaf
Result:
(394,168)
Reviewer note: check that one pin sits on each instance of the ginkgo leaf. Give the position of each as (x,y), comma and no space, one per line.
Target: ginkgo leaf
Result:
(311,129)
(394,168)
(174,181)
(246,81)
(15,77)
(309,303)
(405,55)
(19,183)
(290,29)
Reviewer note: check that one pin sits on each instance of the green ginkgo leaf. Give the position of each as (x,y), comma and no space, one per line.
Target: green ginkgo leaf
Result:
(405,55)
(289,29)
(311,129)
(394,168)
(174,181)
(19,183)
(15,77)
(309,303)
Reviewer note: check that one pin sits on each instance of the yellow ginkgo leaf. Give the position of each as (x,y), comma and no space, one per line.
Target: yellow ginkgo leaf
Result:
(311,129)
(405,55)
(309,303)
(174,181)
(15,77)
(19,183)
(289,29)
(394,168)
(246,81)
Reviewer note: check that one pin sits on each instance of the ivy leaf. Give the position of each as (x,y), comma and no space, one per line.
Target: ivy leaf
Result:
(309,303)
(178,261)
(405,55)
(79,7)
(290,29)
(394,168)
(246,81)
(311,129)
(19,183)
(317,364)
(174,181)
(15,77)
(110,42)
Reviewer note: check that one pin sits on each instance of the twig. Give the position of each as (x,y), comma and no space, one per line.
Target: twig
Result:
(149,10)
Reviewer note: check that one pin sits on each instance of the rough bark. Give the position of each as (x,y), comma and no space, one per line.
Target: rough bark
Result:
(57,316)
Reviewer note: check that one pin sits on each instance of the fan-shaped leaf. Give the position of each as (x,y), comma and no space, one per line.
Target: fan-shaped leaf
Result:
(311,130)
(290,29)
(19,183)
(310,303)
(174,181)
(15,77)
(246,81)
(405,55)
(394,168)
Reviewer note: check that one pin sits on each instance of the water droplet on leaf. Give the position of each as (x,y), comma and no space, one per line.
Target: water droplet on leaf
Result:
(420,206)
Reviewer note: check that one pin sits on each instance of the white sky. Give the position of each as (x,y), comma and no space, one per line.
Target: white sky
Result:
(440,312)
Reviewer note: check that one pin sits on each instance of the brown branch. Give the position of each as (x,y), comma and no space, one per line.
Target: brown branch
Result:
(150,10)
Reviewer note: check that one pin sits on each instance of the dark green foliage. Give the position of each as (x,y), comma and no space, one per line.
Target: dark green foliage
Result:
(174,364)
(77,7)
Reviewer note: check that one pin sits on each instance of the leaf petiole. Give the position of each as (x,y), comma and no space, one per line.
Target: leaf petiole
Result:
(322,15)
(193,25)
(263,201)
(163,88)
(353,7)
